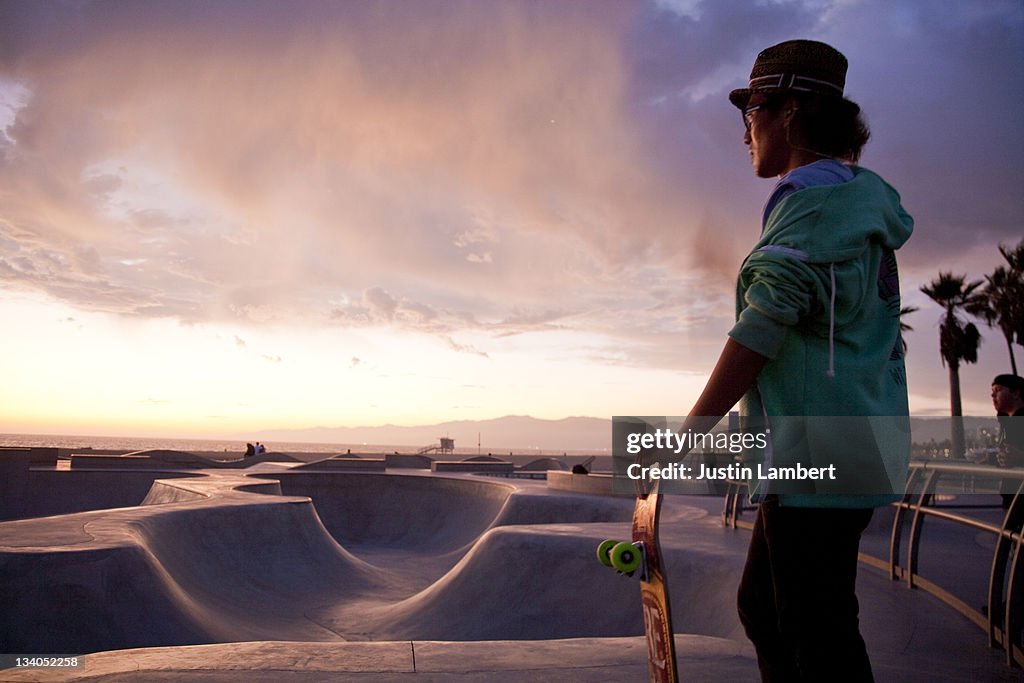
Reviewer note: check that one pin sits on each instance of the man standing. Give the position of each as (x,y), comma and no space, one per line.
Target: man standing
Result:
(816,334)
(1008,400)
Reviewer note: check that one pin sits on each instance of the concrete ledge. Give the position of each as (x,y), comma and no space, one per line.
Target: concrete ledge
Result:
(114,462)
(44,493)
(578,659)
(31,457)
(544,464)
(415,462)
(14,466)
(168,491)
(472,466)
(170,460)
(347,464)
(595,484)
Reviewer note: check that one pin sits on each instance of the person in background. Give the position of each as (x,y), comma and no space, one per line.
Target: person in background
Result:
(1008,400)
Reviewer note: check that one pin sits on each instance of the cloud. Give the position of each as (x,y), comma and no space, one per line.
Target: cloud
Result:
(239,181)
(444,167)
(690,9)
(378,307)
(465,348)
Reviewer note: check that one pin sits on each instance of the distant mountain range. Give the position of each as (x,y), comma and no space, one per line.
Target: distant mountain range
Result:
(518,432)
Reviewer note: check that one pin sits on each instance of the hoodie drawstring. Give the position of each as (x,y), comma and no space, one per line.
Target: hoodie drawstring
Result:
(832,323)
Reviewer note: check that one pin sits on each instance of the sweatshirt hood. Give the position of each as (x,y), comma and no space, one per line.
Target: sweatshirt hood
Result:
(841,220)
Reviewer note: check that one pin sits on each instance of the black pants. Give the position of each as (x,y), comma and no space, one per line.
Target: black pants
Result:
(797,599)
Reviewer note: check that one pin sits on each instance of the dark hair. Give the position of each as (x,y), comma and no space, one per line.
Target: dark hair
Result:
(832,126)
(1011,382)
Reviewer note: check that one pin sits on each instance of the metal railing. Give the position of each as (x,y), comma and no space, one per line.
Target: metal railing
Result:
(929,484)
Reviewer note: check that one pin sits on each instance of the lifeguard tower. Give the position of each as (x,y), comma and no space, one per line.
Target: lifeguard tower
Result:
(445,446)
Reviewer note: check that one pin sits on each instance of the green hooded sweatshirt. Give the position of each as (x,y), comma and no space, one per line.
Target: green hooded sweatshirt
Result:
(819,297)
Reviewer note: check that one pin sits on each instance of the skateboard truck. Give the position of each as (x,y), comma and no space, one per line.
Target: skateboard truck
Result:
(624,557)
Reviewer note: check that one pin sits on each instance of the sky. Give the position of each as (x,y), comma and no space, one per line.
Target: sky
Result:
(226,215)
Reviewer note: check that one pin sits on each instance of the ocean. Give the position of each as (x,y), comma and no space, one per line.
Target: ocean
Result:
(131,443)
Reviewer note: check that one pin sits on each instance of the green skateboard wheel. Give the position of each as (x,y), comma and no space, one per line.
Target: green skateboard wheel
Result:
(625,557)
(604,549)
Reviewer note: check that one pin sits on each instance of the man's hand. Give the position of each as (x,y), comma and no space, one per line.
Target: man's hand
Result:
(650,457)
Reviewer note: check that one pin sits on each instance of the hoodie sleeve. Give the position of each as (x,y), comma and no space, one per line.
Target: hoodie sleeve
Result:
(780,289)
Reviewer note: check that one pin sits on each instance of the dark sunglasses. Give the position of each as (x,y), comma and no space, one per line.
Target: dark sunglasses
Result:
(748,114)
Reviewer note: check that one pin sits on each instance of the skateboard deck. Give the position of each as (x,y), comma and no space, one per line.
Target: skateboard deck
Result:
(642,557)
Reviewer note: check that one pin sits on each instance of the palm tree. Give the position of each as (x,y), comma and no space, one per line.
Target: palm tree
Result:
(958,340)
(1001,304)
(1015,258)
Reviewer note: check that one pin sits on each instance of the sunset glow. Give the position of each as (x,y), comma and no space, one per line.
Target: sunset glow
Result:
(227,216)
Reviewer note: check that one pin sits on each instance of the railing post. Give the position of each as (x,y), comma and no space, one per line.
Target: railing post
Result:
(733,504)
(897,523)
(1007,606)
(729,502)
(1014,605)
(913,545)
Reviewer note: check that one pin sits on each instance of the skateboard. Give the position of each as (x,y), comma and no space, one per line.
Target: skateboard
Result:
(642,558)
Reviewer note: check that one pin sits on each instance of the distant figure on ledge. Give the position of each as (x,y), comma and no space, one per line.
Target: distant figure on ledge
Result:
(260,448)
(250,450)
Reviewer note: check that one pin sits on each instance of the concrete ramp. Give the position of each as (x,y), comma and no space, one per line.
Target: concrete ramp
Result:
(93,599)
(430,515)
(255,570)
(540,506)
(219,565)
(506,587)
(528,582)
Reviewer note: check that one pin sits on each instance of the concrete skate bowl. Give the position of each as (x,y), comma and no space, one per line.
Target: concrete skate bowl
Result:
(332,556)
(434,515)
(478,559)
(381,511)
